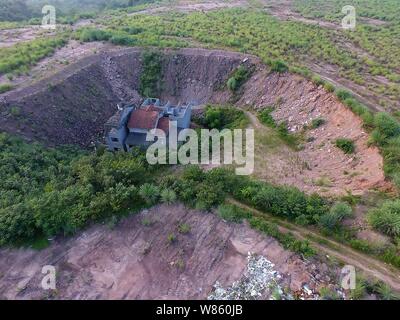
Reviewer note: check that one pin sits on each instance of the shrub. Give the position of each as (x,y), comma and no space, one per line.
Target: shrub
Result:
(232,84)
(89,35)
(329,87)
(316,123)
(343,95)
(149,193)
(266,118)
(123,40)
(341,210)
(386,125)
(15,111)
(288,241)
(317,80)
(168,196)
(171,238)
(184,228)
(279,66)
(337,213)
(239,76)
(346,145)
(5,87)
(232,213)
(150,78)
(386,218)
(219,117)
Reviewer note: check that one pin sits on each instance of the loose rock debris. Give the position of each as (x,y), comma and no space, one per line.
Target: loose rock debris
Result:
(259,280)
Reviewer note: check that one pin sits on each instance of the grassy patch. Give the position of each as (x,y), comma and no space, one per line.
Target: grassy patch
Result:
(346,145)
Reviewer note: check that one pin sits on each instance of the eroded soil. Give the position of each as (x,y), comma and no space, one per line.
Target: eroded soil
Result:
(135,260)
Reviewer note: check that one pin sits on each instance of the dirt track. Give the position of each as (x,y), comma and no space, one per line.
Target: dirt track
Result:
(370,266)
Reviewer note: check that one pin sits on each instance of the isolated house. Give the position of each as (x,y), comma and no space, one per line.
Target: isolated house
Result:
(135,123)
(116,129)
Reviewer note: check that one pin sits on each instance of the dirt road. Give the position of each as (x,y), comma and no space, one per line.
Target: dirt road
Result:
(344,253)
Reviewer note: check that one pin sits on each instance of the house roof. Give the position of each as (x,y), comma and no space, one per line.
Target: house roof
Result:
(143,119)
(163,124)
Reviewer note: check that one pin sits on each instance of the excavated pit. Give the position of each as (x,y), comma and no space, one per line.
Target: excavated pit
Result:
(72,106)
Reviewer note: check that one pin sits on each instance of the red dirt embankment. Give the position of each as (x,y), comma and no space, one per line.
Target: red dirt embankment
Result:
(135,260)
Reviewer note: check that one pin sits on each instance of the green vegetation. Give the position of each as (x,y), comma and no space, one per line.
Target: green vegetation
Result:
(294,42)
(150,78)
(5,87)
(168,196)
(316,123)
(150,193)
(238,78)
(386,218)
(346,145)
(287,240)
(292,140)
(45,192)
(20,57)
(266,118)
(223,117)
(184,228)
(68,10)
(171,238)
(279,66)
(232,213)
(92,34)
(337,213)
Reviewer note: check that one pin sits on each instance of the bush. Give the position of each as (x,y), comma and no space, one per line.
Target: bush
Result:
(168,196)
(337,213)
(123,40)
(386,125)
(279,66)
(386,218)
(343,95)
(218,117)
(317,80)
(150,78)
(232,213)
(346,145)
(238,78)
(150,193)
(232,84)
(90,35)
(5,87)
(329,87)
(266,118)
(288,241)
(184,228)
(316,123)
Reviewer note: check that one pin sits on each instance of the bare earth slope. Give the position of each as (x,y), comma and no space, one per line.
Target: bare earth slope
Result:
(136,261)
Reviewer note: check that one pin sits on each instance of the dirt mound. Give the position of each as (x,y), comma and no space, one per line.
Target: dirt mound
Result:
(135,260)
(320,165)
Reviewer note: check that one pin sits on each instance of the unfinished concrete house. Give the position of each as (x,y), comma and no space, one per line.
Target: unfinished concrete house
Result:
(129,127)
